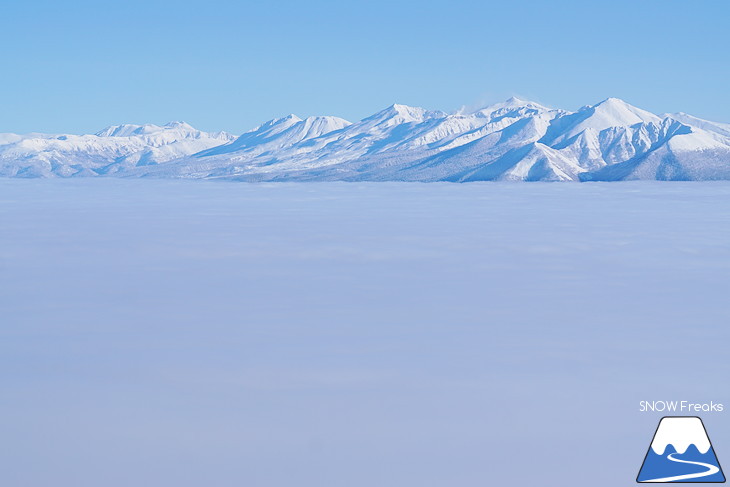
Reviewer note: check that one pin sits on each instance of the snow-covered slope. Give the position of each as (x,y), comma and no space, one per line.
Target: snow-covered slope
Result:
(516,140)
(720,128)
(279,134)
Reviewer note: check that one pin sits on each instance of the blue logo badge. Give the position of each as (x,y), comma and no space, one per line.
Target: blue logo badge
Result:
(681,452)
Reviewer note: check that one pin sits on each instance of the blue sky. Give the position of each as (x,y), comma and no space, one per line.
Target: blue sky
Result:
(231,65)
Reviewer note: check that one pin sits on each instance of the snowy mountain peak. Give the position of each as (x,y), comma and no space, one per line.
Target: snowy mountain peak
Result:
(178,125)
(414,113)
(612,100)
(287,120)
(321,125)
(131,130)
(127,130)
(617,112)
(277,134)
(593,119)
(517,102)
(397,114)
(275,125)
(511,105)
(715,127)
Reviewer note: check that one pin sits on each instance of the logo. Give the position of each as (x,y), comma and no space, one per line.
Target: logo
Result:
(681,452)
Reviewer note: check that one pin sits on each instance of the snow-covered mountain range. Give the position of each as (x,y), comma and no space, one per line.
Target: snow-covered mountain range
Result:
(116,150)
(516,140)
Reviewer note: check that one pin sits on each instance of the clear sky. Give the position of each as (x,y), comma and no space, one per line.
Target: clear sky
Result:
(229,65)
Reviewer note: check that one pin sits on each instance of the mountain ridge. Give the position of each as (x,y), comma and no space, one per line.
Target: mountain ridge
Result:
(516,140)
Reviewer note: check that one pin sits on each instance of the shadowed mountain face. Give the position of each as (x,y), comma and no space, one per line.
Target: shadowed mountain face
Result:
(516,140)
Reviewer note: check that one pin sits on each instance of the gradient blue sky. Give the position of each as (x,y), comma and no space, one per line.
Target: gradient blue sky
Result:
(77,67)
